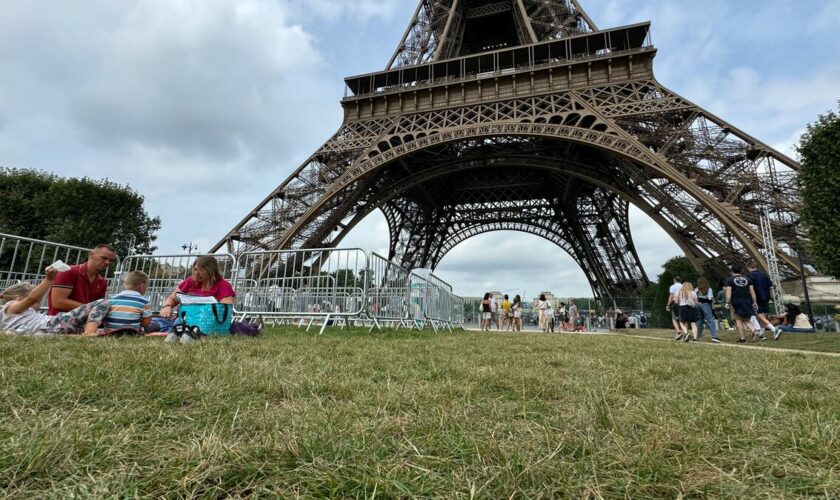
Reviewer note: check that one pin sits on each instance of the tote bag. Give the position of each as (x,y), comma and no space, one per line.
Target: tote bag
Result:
(212,319)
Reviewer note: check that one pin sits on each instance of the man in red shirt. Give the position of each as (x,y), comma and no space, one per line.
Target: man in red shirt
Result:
(83,283)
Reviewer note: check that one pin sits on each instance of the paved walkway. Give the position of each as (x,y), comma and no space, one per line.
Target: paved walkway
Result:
(726,344)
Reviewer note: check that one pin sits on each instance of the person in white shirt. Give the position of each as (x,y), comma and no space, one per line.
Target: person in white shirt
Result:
(494,311)
(706,300)
(673,306)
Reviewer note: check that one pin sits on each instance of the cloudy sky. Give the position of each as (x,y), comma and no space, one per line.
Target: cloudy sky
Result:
(204,106)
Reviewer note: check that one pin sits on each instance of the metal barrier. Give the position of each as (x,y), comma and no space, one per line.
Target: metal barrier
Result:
(327,284)
(331,285)
(437,303)
(24,259)
(166,272)
(458,315)
(387,293)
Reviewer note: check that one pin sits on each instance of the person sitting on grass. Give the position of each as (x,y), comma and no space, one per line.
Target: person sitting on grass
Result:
(129,310)
(19,313)
(205,281)
(795,321)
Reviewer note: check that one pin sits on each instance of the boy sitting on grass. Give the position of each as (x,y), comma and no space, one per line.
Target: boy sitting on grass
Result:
(129,309)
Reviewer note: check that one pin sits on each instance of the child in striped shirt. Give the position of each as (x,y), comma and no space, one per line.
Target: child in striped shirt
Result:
(129,308)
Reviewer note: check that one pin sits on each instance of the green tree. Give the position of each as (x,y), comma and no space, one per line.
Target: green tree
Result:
(81,212)
(819,149)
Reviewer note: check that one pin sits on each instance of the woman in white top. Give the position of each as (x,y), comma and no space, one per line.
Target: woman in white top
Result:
(687,298)
(517,313)
(705,311)
(19,312)
(542,306)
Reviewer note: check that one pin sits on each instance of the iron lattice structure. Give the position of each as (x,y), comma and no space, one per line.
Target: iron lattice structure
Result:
(522,115)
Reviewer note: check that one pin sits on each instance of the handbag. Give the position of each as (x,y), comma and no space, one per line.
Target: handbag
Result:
(211,319)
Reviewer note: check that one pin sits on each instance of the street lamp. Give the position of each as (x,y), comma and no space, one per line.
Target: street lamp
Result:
(190,248)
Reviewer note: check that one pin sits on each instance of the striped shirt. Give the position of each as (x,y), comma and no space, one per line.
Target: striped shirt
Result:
(127,309)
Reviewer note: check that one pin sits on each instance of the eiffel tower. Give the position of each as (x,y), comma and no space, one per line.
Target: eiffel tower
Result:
(522,115)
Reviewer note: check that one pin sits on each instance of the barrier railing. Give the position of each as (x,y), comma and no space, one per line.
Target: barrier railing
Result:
(311,284)
(332,285)
(24,259)
(458,314)
(166,272)
(387,300)
(437,309)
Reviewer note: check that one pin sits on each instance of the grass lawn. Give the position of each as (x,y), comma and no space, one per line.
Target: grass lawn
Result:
(401,414)
(818,342)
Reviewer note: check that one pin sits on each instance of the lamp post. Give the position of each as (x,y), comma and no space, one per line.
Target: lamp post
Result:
(189,248)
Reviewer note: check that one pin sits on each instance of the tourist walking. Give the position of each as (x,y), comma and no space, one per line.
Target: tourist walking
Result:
(673,306)
(763,293)
(494,311)
(687,299)
(706,300)
(562,318)
(573,316)
(741,301)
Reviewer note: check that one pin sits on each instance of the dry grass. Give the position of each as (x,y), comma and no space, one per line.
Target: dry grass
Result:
(403,414)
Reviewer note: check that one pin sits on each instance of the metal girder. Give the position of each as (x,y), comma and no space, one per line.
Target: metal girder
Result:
(437,28)
(601,134)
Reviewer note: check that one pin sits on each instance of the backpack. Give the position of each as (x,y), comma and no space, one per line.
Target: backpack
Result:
(245,329)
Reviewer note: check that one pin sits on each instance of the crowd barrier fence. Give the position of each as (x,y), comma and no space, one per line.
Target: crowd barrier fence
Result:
(388,293)
(166,272)
(327,284)
(25,259)
(333,285)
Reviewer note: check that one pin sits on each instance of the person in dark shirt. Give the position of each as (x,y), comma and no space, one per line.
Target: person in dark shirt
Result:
(763,287)
(741,300)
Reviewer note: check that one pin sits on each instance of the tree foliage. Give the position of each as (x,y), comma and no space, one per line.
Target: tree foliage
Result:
(81,212)
(819,149)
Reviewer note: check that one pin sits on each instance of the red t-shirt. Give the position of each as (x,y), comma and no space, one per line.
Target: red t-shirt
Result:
(220,289)
(82,290)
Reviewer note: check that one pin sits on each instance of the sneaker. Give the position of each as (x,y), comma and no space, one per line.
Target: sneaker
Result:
(762,337)
(171,337)
(192,334)
(717,341)
(755,334)
(688,338)
(777,333)
(678,337)
(742,341)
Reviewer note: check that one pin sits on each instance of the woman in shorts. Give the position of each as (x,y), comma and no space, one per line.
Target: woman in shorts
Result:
(516,308)
(687,298)
(486,313)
